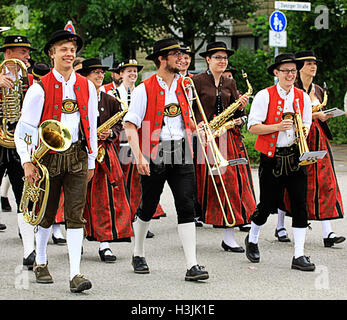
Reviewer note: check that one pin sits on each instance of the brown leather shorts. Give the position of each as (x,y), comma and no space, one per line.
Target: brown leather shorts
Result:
(68,172)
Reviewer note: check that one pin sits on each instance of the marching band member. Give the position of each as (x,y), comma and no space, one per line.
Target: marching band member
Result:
(64,96)
(17,47)
(107,209)
(185,62)
(279,160)
(216,93)
(324,201)
(112,87)
(158,127)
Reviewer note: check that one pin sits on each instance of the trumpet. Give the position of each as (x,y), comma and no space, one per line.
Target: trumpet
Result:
(108,125)
(218,159)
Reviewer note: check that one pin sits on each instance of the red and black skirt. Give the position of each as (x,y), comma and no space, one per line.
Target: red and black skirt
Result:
(237,180)
(107,210)
(323,194)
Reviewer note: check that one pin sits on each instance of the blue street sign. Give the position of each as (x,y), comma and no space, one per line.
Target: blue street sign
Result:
(278,21)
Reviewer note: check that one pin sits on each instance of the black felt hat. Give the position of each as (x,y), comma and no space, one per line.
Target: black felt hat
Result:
(189,51)
(114,68)
(284,58)
(216,46)
(163,46)
(16,41)
(129,63)
(307,55)
(63,35)
(40,69)
(91,64)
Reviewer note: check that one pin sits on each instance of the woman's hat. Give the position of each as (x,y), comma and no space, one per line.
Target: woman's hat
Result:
(63,35)
(284,58)
(129,63)
(307,55)
(16,41)
(40,69)
(89,65)
(216,46)
(189,51)
(163,46)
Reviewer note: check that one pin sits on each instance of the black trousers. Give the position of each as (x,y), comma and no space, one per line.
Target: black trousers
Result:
(180,177)
(275,174)
(10,163)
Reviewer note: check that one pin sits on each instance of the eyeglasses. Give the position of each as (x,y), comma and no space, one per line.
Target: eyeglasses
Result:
(176,53)
(293,71)
(220,58)
(98,72)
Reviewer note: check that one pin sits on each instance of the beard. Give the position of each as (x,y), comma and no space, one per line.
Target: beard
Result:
(172,69)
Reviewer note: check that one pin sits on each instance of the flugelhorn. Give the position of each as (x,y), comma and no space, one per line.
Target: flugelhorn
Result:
(53,136)
(218,159)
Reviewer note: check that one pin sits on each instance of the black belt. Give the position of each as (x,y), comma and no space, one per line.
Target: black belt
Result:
(171,146)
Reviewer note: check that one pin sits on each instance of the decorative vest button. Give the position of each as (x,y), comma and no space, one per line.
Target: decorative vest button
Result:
(276,119)
(77,87)
(157,123)
(56,106)
(271,145)
(84,108)
(159,113)
(279,102)
(55,117)
(102,109)
(269,153)
(153,145)
(179,93)
(273,136)
(161,92)
(56,86)
(86,117)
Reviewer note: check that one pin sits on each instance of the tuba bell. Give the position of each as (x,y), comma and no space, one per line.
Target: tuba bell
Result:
(11,102)
(56,137)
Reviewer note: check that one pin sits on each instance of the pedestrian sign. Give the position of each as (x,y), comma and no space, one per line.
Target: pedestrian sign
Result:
(278,21)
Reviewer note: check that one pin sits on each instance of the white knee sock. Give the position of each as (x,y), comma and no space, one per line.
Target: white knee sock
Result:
(299,241)
(326,227)
(74,239)
(280,221)
(28,237)
(42,236)
(187,234)
(229,238)
(254,233)
(140,231)
(57,231)
(5,185)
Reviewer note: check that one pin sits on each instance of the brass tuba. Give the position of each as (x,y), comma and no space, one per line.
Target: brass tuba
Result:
(218,159)
(11,102)
(219,124)
(108,125)
(56,137)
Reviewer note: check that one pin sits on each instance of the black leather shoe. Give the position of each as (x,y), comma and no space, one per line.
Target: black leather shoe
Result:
(329,242)
(303,263)
(109,258)
(149,234)
(232,249)
(139,264)
(252,251)
(5,205)
(282,238)
(244,228)
(58,240)
(196,273)
(29,261)
(2,226)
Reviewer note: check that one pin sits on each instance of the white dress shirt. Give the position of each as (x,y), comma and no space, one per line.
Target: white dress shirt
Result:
(259,110)
(32,111)
(173,127)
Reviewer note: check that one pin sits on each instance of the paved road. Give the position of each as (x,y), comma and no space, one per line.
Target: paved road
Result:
(232,276)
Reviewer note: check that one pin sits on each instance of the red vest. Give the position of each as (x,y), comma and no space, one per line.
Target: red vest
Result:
(149,133)
(266,143)
(54,101)
(109,87)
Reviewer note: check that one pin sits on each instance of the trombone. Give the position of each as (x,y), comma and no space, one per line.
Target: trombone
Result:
(218,159)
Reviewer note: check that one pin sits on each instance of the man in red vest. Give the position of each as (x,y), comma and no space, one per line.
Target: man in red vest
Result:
(70,98)
(16,47)
(159,131)
(279,160)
